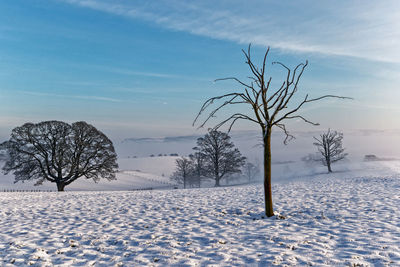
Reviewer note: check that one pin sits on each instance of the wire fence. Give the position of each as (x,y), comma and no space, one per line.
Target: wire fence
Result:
(142,189)
(24,190)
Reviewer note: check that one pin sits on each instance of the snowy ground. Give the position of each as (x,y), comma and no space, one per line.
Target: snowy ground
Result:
(339,219)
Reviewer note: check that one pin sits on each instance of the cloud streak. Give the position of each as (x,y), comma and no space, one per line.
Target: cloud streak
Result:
(83,97)
(361,29)
(128,72)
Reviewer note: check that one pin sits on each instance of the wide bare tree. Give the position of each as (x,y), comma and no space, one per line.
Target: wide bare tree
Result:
(270,108)
(60,153)
(221,158)
(183,171)
(329,145)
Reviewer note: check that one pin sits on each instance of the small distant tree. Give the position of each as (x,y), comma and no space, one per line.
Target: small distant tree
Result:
(221,158)
(251,171)
(329,145)
(60,153)
(183,172)
(197,160)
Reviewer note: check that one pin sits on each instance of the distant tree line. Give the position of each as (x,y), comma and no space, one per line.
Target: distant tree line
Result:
(165,155)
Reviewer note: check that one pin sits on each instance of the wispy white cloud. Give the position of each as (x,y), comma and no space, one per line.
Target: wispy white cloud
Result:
(84,97)
(141,73)
(129,72)
(362,29)
(153,99)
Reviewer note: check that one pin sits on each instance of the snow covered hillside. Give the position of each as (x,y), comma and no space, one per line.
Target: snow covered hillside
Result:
(153,172)
(338,221)
(135,173)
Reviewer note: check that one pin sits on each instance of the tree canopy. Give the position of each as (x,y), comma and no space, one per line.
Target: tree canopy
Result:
(221,158)
(60,153)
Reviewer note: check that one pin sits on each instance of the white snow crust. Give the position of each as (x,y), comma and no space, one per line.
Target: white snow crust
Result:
(327,220)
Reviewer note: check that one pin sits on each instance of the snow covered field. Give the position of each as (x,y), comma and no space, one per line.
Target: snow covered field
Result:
(337,219)
(350,217)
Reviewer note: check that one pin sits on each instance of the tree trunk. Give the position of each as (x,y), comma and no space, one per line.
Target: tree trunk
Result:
(269,211)
(329,166)
(60,186)
(217,181)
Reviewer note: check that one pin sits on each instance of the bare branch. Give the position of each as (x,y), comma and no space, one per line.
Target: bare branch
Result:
(234,118)
(211,100)
(306,100)
(288,137)
(302,118)
(235,79)
(283,65)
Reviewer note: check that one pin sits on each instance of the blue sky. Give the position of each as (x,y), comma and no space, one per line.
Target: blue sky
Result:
(143,68)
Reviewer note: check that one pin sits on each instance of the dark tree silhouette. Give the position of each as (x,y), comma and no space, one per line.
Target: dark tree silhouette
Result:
(183,172)
(221,158)
(197,160)
(330,146)
(60,153)
(270,108)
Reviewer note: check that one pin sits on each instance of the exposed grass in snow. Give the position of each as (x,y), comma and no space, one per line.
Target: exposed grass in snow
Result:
(351,221)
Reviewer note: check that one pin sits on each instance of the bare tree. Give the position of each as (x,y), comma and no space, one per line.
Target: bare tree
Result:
(330,146)
(270,108)
(197,160)
(221,157)
(60,153)
(183,172)
(251,171)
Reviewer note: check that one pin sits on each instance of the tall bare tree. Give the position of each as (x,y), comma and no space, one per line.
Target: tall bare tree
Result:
(270,108)
(221,158)
(60,153)
(330,146)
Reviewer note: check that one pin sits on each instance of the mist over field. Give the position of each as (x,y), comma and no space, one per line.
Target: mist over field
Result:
(153,157)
